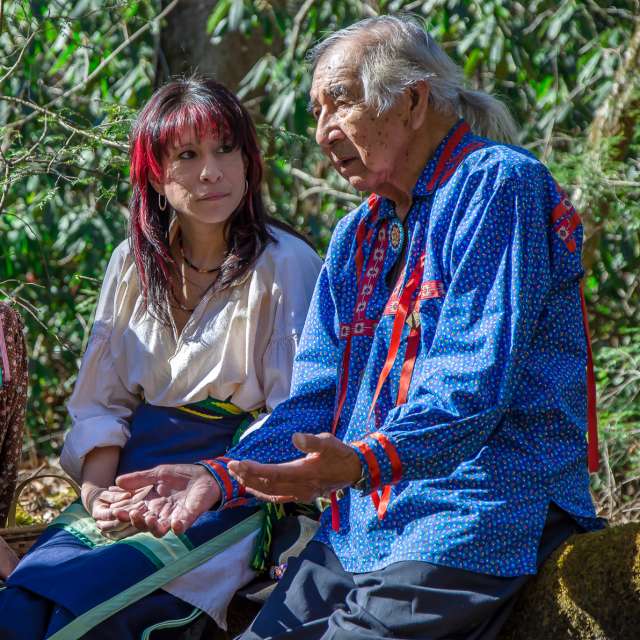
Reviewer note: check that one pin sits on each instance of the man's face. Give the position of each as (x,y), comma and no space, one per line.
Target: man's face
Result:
(366,149)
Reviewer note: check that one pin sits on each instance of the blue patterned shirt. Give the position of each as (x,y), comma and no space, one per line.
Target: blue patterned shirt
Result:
(493,427)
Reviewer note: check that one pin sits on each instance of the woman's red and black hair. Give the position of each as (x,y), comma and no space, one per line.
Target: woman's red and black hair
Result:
(201,105)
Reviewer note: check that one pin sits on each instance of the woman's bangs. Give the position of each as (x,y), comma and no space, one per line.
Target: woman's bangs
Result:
(194,120)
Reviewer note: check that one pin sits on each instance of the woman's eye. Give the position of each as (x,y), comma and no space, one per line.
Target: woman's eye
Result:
(186,155)
(226,148)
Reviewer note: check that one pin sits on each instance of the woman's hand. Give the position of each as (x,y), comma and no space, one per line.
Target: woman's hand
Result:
(184,492)
(100,503)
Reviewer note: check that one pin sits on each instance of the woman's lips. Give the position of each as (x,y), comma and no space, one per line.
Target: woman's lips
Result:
(213,196)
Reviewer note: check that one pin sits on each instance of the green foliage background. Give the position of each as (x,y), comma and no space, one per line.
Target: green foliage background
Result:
(73,74)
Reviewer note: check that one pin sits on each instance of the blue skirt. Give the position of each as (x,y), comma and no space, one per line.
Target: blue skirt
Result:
(74,581)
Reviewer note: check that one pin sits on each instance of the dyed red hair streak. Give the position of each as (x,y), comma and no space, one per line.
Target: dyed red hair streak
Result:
(202,105)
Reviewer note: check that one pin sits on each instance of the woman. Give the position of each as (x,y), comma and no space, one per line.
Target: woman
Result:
(13,401)
(195,333)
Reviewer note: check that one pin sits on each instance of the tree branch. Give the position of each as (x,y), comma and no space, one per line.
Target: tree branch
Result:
(7,75)
(297,24)
(65,125)
(100,67)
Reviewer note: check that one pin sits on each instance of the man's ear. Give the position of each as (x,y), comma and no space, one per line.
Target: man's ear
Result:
(419,101)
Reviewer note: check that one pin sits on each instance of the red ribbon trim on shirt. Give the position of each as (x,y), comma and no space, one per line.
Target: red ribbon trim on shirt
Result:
(392,454)
(592,413)
(399,303)
(241,488)
(565,220)
(372,462)
(224,476)
(453,142)
(360,325)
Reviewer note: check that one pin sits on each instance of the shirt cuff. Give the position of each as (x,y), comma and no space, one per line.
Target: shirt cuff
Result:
(380,461)
(232,493)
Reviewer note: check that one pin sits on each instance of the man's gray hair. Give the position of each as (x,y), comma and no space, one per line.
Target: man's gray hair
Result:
(396,53)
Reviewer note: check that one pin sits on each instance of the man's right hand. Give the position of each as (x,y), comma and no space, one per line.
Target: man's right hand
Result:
(185,492)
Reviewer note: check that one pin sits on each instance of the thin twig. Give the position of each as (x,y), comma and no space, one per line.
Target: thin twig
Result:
(5,188)
(307,178)
(24,47)
(297,24)
(100,67)
(33,311)
(63,123)
(341,195)
(32,148)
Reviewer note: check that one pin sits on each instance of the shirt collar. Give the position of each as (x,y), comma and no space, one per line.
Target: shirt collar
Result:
(435,167)
(441,159)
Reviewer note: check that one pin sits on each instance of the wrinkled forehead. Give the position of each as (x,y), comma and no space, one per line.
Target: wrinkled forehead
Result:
(336,70)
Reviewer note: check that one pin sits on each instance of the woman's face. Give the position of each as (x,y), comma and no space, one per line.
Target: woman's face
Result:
(203,178)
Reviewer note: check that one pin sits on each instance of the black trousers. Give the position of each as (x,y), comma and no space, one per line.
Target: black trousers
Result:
(317,599)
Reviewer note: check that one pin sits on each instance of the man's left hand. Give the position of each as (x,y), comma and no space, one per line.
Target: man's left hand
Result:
(329,465)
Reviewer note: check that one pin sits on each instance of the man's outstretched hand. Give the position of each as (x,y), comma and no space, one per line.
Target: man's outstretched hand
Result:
(329,465)
(185,491)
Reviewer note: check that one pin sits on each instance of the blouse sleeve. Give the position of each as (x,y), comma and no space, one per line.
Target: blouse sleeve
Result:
(100,405)
(294,283)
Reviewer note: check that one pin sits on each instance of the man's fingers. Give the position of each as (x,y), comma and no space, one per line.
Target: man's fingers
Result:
(248,472)
(114,496)
(310,443)
(123,511)
(126,503)
(265,497)
(137,479)
(166,511)
(273,481)
(182,518)
(136,518)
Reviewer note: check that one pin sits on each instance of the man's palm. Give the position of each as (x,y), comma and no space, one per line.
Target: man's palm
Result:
(185,492)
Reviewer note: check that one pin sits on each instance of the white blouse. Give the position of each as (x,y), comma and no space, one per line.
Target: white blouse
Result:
(238,345)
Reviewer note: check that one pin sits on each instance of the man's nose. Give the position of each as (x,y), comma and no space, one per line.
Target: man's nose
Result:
(328,131)
(211,170)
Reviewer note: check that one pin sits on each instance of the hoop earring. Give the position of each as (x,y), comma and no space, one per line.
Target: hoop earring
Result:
(162,202)
(246,187)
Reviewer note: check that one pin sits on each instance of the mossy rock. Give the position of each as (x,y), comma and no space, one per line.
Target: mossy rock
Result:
(589,589)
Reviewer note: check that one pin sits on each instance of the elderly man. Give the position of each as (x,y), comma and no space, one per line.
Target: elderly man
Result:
(439,390)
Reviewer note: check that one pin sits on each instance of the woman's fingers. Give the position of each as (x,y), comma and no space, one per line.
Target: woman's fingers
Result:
(106,526)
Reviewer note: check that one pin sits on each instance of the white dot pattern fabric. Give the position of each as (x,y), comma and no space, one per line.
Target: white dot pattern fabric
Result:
(493,428)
